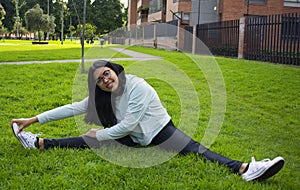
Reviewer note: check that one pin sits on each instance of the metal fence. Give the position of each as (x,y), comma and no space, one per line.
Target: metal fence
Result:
(221,38)
(273,38)
(157,35)
(188,39)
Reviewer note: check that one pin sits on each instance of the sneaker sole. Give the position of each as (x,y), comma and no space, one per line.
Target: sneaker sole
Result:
(15,129)
(271,171)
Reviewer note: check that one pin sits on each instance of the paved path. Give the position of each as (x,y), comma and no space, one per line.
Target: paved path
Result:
(135,56)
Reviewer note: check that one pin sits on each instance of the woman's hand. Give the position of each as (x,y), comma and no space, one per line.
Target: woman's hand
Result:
(24,122)
(91,133)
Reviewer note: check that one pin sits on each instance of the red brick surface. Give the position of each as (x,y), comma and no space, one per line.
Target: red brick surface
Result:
(235,9)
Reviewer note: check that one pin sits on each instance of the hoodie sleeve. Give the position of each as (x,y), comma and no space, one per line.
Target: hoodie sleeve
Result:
(63,112)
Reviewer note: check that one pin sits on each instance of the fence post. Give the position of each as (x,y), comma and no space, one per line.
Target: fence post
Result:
(136,34)
(143,35)
(194,44)
(129,40)
(178,35)
(154,36)
(242,38)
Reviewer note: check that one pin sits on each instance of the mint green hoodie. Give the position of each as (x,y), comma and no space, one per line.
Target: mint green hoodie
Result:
(139,112)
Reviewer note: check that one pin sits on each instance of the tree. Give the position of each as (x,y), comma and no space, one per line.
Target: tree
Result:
(72,31)
(76,8)
(8,22)
(85,3)
(49,10)
(2,14)
(3,31)
(109,15)
(19,30)
(49,23)
(36,21)
(18,20)
(64,8)
(89,33)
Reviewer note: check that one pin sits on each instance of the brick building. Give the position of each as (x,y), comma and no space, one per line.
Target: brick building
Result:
(235,9)
(194,12)
(143,11)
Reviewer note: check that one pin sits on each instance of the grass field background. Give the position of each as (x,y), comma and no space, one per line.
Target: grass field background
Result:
(261,120)
(23,50)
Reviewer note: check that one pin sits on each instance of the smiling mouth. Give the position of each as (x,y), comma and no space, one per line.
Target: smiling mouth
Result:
(110,85)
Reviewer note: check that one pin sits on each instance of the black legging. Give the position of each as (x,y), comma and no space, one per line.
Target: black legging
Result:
(169,138)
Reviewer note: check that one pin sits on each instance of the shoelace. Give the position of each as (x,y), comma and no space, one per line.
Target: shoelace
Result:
(29,137)
(257,164)
(31,134)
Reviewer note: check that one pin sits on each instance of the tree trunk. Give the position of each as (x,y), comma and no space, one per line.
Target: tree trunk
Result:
(39,35)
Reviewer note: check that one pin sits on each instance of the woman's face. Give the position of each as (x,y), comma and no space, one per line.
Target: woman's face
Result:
(106,79)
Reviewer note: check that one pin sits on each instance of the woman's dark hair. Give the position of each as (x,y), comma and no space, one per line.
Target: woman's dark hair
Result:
(100,110)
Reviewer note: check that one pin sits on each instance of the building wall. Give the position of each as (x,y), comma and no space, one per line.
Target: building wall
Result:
(132,14)
(204,11)
(225,10)
(155,17)
(185,6)
(171,7)
(207,12)
(159,15)
(235,9)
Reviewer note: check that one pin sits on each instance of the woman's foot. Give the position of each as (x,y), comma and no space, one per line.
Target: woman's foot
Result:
(27,139)
(263,169)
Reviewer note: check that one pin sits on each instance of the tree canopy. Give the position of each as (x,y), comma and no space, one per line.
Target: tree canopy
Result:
(37,21)
(2,14)
(107,15)
(104,15)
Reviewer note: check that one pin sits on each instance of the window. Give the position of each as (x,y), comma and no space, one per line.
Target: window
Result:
(292,3)
(155,6)
(256,2)
(175,1)
(181,15)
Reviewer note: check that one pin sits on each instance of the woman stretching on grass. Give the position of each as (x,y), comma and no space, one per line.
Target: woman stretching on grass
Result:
(132,114)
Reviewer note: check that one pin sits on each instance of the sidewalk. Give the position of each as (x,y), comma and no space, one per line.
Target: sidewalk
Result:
(135,56)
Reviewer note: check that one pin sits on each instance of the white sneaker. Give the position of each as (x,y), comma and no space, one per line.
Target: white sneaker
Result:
(27,139)
(263,169)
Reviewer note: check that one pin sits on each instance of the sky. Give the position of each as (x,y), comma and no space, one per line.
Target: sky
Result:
(125,2)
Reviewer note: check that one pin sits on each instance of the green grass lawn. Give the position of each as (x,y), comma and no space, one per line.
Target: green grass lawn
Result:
(261,120)
(23,50)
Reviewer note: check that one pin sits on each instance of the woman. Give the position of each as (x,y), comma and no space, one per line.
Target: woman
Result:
(132,114)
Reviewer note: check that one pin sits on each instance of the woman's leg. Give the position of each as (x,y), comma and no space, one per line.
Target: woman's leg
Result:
(173,139)
(71,142)
(81,142)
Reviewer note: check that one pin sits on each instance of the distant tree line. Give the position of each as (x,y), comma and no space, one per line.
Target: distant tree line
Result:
(56,19)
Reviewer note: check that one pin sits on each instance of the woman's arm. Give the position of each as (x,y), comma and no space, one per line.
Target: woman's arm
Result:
(62,112)
(24,122)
